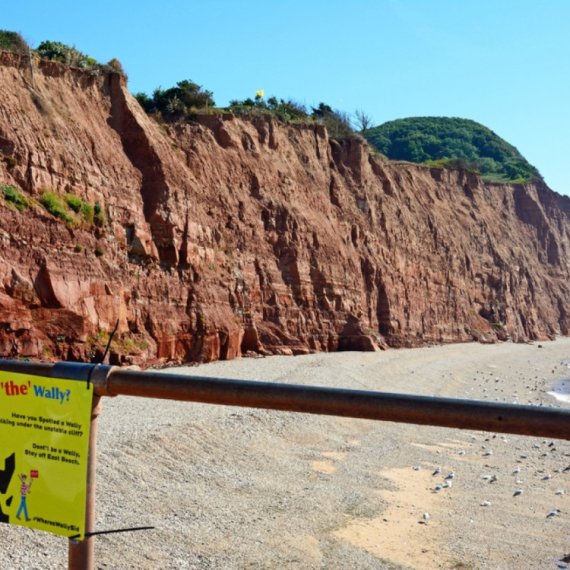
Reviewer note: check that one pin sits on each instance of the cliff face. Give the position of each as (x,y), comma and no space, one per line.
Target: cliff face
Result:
(230,235)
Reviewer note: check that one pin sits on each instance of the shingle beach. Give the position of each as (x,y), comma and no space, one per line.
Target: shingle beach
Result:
(233,488)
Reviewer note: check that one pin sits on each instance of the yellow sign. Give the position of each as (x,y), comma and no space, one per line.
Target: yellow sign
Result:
(44,439)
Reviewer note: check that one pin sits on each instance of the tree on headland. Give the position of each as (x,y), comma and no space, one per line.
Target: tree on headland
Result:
(363,121)
(322,111)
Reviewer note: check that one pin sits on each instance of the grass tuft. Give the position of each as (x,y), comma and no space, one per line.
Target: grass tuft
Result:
(15,197)
(52,203)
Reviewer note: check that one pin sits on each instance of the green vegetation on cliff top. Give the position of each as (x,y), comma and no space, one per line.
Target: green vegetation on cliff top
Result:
(188,98)
(56,51)
(12,41)
(436,141)
(452,143)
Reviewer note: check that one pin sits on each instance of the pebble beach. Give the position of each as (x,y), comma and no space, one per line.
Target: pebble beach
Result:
(232,488)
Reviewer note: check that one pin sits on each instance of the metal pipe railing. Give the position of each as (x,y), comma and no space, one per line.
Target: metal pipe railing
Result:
(422,410)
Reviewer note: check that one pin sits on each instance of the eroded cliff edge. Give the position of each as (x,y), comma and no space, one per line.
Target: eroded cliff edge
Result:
(229,235)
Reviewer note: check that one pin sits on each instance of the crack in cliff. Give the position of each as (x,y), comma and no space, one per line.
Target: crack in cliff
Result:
(143,155)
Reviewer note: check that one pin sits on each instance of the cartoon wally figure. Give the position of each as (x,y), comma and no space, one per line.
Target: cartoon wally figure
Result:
(24,490)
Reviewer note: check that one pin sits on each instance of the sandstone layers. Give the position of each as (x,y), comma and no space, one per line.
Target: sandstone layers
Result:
(228,235)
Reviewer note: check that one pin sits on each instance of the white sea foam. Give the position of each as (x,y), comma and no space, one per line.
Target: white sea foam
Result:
(561,389)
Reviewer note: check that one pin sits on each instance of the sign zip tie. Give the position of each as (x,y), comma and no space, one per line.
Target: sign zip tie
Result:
(89,375)
(109,343)
(88,534)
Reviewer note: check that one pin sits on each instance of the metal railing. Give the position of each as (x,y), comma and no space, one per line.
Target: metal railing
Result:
(421,410)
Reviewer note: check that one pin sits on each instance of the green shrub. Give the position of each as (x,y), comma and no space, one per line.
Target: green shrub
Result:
(70,55)
(145,101)
(80,207)
(281,109)
(337,123)
(87,212)
(455,164)
(99,215)
(52,203)
(441,163)
(322,111)
(12,41)
(178,101)
(292,110)
(78,248)
(249,102)
(99,252)
(338,126)
(11,161)
(14,196)
(240,110)
(74,202)
(56,51)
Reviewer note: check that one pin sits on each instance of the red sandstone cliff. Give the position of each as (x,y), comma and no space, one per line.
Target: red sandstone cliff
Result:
(229,235)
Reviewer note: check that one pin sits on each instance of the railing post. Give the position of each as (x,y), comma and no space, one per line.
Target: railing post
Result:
(81,553)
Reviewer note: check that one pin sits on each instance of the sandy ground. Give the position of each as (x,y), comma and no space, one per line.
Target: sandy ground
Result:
(232,488)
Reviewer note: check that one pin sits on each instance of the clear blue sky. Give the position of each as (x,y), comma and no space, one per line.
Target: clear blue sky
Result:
(503,63)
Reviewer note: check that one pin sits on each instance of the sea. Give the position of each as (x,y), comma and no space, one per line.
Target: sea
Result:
(560,389)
